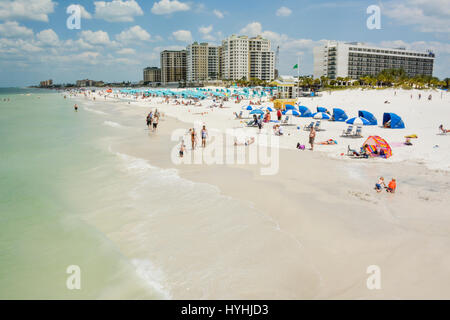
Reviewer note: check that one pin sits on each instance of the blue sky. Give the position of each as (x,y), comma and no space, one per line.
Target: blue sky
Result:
(119,38)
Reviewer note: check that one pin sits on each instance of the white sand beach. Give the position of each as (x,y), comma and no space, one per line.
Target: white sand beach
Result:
(309,231)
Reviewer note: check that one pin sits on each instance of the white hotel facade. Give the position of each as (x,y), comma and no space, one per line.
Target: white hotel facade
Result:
(355,59)
(244,57)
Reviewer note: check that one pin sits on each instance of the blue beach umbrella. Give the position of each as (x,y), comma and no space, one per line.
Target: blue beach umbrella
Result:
(257,111)
(358,121)
(292,112)
(290,107)
(248,108)
(321,115)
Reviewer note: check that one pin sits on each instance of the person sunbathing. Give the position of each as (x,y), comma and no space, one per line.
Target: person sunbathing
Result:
(444,131)
(328,142)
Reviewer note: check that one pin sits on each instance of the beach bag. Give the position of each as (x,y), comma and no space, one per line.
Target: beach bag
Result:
(301,146)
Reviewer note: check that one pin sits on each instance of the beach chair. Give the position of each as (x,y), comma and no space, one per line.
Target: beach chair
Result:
(308,127)
(347,132)
(317,126)
(358,132)
(252,123)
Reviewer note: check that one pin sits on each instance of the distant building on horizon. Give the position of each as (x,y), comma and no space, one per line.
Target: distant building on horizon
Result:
(355,60)
(46,83)
(173,66)
(152,75)
(89,83)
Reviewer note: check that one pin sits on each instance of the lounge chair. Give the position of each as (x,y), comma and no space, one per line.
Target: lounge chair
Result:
(347,132)
(238,116)
(252,123)
(358,132)
(308,127)
(286,120)
(317,126)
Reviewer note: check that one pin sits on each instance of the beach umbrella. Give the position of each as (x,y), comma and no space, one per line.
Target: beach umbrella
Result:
(290,107)
(358,121)
(292,112)
(257,111)
(321,115)
(248,108)
(268,108)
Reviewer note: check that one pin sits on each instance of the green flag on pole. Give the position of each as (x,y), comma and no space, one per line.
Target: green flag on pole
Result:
(296,66)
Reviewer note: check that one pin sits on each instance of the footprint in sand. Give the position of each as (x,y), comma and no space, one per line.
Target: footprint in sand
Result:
(363,196)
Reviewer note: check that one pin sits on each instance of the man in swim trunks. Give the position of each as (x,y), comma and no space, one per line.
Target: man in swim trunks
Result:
(75,107)
(312,137)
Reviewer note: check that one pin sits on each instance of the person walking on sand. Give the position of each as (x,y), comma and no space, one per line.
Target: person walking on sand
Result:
(312,137)
(204,134)
(193,138)
(279,114)
(149,119)
(155,122)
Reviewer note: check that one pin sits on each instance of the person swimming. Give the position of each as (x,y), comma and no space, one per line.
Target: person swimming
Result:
(75,107)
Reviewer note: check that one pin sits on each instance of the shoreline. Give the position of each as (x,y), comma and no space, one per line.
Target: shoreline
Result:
(303,206)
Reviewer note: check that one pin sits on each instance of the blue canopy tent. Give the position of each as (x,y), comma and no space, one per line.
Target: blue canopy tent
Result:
(395,121)
(321,109)
(339,115)
(367,115)
(304,112)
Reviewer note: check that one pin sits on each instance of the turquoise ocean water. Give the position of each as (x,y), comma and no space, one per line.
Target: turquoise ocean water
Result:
(46,183)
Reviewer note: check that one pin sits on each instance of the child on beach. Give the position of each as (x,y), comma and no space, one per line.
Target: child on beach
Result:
(182,147)
(392,186)
(155,122)
(380,184)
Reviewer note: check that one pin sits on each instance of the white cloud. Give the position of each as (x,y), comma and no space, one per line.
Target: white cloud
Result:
(252,29)
(117,10)
(206,33)
(182,35)
(37,10)
(95,37)
(205,30)
(48,37)
(12,29)
(126,51)
(284,12)
(423,15)
(133,34)
(168,7)
(218,14)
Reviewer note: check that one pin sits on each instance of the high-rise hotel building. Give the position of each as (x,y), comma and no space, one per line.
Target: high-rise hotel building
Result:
(202,62)
(173,66)
(244,57)
(355,60)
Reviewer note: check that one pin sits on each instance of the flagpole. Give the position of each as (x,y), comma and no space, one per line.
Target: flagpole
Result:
(298,67)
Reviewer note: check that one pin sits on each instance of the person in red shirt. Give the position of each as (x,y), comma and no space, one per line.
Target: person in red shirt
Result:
(392,186)
(279,114)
